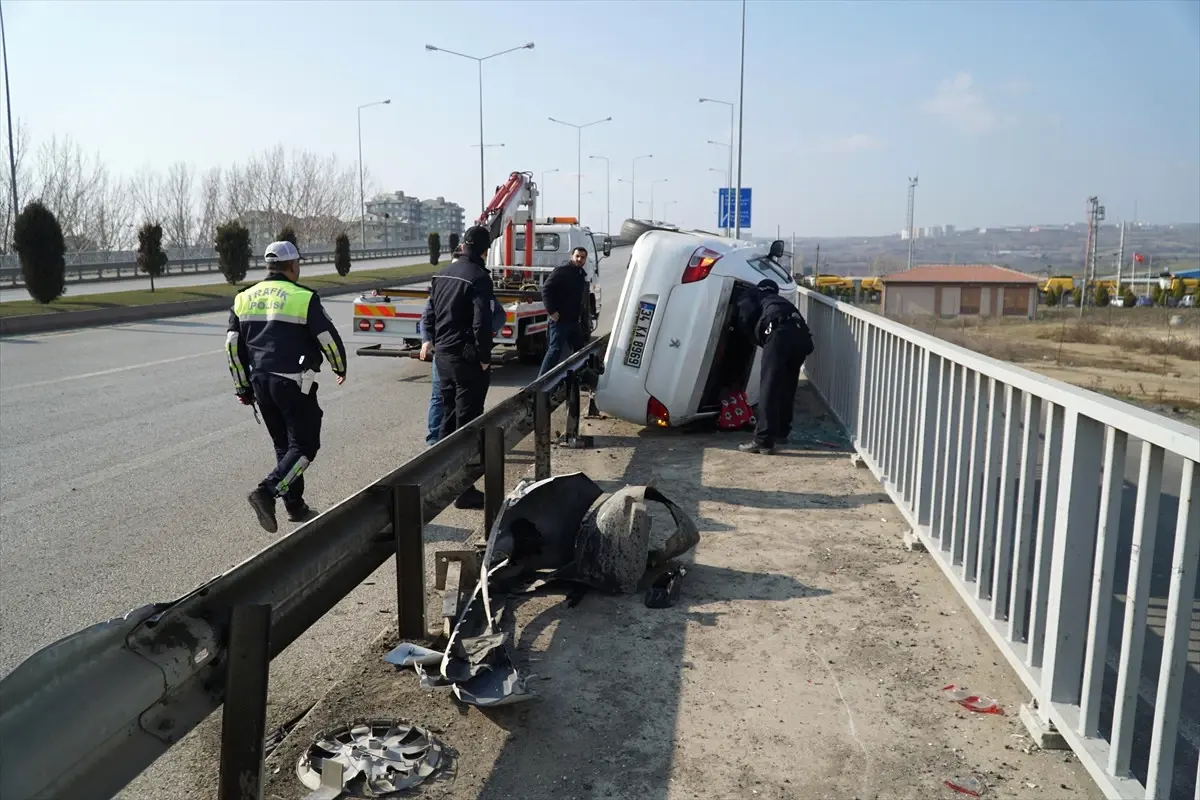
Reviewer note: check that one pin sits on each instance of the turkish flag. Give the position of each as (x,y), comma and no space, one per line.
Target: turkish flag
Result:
(1139,258)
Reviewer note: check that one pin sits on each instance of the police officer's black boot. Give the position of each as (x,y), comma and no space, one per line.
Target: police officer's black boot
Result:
(263,503)
(298,511)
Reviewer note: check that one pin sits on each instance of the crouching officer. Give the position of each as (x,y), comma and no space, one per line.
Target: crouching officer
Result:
(784,337)
(459,321)
(278,335)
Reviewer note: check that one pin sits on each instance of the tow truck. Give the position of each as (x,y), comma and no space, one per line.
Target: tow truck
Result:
(524,251)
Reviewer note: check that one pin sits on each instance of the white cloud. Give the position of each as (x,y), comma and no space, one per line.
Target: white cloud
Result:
(959,102)
(847,145)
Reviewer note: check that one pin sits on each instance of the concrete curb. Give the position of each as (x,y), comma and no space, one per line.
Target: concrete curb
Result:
(67,320)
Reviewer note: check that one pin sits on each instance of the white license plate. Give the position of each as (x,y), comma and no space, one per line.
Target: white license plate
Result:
(641,331)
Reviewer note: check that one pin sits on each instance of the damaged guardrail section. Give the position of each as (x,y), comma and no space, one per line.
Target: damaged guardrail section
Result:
(1016,484)
(85,715)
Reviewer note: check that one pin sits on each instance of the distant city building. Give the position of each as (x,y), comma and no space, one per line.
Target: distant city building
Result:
(942,290)
(396,220)
(950,230)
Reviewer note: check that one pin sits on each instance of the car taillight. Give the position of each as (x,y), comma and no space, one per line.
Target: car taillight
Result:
(363,325)
(657,414)
(506,331)
(378,325)
(700,264)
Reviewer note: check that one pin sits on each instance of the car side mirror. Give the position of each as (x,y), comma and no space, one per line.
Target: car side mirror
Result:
(608,245)
(777,248)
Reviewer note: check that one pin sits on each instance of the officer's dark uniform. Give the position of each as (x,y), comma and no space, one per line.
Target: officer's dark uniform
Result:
(459,319)
(278,335)
(786,341)
(563,292)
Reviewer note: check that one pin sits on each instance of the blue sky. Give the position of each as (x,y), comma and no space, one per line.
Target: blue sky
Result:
(1009,112)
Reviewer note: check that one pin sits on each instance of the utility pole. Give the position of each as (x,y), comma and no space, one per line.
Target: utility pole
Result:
(1095,216)
(12,156)
(912,196)
(793,252)
(737,231)
(1120,259)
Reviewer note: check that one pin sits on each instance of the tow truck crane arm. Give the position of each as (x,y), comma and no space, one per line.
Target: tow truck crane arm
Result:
(515,204)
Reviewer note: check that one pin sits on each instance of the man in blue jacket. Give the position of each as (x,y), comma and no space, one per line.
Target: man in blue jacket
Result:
(436,408)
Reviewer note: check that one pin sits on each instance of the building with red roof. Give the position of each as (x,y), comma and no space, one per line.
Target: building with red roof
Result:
(956,290)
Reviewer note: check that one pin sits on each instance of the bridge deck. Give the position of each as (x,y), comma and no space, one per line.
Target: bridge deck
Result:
(805,659)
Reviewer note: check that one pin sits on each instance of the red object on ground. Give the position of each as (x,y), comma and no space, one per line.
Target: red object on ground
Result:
(735,413)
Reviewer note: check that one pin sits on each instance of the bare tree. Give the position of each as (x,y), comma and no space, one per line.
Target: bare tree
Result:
(210,208)
(113,221)
(24,183)
(179,204)
(68,184)
(146,189)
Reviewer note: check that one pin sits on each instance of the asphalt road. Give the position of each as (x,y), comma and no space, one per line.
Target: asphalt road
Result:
(124,462)
(203,278)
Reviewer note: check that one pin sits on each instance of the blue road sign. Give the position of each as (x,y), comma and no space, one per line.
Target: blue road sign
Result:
(726,208)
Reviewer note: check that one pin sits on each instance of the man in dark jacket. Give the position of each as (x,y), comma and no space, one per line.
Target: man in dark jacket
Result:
(784,337)
(563,294)
(459,321)
(277,337)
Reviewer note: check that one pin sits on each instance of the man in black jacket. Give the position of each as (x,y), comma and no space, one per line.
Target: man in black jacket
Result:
(786,341)
(563,294)
(459,321)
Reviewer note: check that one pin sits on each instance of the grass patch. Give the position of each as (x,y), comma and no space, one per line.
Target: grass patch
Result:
(179,294)
(1126,340)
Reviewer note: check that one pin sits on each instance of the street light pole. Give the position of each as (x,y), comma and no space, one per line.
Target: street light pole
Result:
(633,187)
(545,172)
(479,60)
(607,193)
(737,231)
(362,200)
(579,161)
(729,172)
(660,180)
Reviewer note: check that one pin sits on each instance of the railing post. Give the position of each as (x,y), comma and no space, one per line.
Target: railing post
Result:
(408,526)
(541,436)
(926,450)
(493,475)
(244,719)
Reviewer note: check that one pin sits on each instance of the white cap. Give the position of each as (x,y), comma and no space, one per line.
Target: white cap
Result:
(281,251)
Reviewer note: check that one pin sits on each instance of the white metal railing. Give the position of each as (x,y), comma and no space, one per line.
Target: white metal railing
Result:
(1017,485)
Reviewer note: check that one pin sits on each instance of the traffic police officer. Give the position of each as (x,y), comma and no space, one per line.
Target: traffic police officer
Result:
(278,335)
(459,321)
(786,341)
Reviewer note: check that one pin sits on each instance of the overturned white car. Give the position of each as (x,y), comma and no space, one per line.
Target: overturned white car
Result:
(673,353)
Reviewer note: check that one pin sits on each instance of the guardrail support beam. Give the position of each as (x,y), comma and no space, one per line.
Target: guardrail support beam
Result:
(571,437)
(493,476)
(541,436)
(244,723)
(408,527)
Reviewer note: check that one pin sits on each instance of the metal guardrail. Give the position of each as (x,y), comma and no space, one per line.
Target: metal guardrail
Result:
(85,715)
(128,270)
(1032,544)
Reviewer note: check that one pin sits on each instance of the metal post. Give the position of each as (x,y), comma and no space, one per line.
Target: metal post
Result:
(493,475)
(362,200)
(1120,259)
(579,175)
(244,721)
(573,409)
(541,436)
(408,526)
(729,171)
(912,194)
(482,199)
(737,231)
(12,158)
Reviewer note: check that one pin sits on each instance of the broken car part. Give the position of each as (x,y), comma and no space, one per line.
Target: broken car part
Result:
(664,592)
(377,758)
(563,528)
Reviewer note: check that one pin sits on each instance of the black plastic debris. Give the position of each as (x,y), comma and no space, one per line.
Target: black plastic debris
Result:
(563,528)
(664,592)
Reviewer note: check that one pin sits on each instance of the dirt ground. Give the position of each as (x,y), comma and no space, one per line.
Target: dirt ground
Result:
(1135,354)
(805,658)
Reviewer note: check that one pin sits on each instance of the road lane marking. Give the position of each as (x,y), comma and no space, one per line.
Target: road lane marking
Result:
(112,371)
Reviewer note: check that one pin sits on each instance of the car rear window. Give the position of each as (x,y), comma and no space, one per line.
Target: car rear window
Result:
(769,269)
